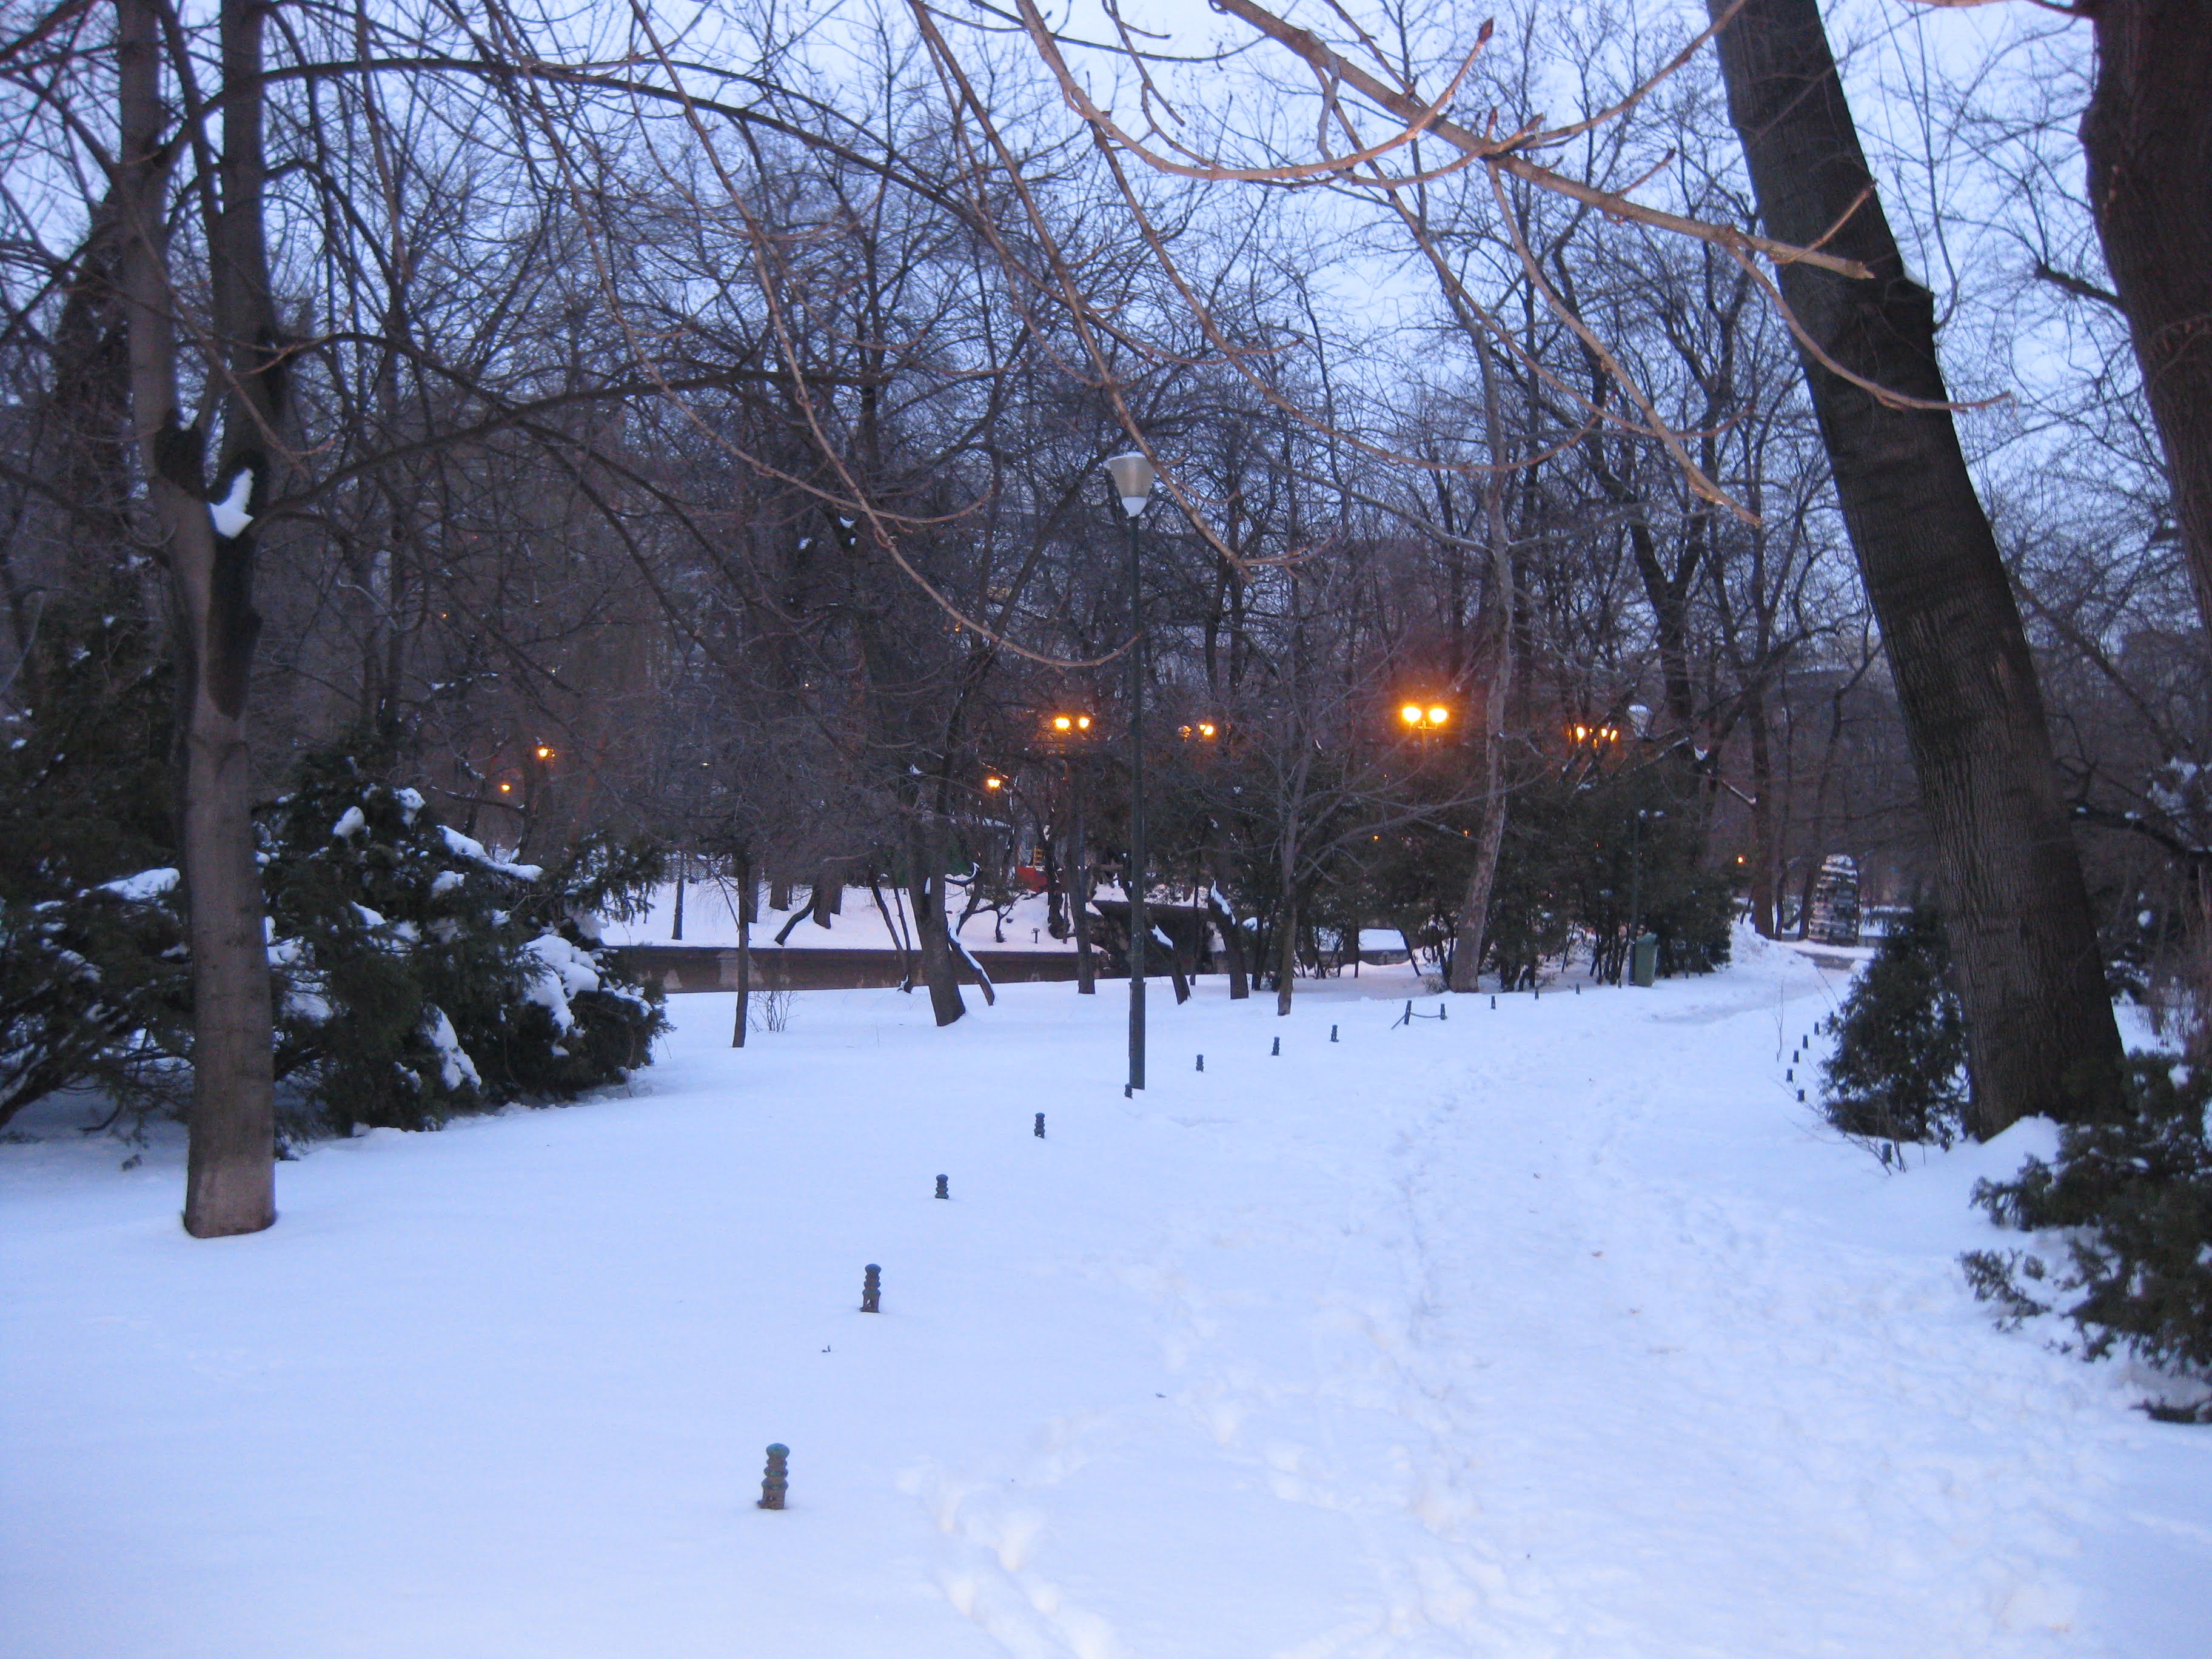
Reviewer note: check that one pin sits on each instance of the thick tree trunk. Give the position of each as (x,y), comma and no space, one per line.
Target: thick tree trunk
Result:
(2039,1028)
(932,935)
(230,1168)
(1495,624)
(1233,945)
(2147,133)
(1287,950)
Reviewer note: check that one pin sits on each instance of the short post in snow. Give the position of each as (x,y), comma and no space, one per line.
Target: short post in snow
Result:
(872,1289)
(941,1187)
(1444,1011)
(1201,1062)
(777,1481)
(1277,1049)
(1040,1126)
(1332,1034)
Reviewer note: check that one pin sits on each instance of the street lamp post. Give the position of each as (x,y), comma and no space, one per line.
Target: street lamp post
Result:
(1636,872)
(1133,477)
(1068,732)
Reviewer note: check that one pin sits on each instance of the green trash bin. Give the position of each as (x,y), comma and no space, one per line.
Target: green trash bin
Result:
(1644,960)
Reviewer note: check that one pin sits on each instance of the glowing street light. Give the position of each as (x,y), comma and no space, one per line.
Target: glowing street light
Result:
(1425,717)
(544,751)
(994,783)
(1133,476)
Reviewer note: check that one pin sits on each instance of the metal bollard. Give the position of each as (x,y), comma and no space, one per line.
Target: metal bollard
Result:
(871,1290)
(1201,1062)
(941,1191)
(1332,1034)
(1444,1011)
(777,1481)
(1040,1126)
(1277,1049)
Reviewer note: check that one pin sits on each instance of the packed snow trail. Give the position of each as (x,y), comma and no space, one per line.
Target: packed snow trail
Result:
(1561,1329)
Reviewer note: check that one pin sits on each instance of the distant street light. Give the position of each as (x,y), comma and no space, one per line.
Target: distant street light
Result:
(1133,476)
(1424,719)
(1644,815)
(994,783)
(1068,732)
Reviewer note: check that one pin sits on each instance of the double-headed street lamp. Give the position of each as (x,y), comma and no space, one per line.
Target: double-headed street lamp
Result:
(1134,477)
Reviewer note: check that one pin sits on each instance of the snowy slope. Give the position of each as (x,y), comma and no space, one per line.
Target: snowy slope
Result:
(1555,1330)
(710,918)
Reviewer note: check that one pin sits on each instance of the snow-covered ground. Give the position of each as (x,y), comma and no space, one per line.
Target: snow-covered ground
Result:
(710,918)
(1561,1329)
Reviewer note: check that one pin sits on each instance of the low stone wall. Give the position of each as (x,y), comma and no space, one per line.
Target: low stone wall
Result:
(715,967)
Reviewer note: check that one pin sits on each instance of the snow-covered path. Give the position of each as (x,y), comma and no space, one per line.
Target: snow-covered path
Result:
(1559,1329)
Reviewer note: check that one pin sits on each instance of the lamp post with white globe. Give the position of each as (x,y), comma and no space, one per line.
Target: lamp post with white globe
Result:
(1133,476)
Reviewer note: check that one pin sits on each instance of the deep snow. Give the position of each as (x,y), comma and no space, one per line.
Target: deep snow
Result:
(710,918)
(1559,1329)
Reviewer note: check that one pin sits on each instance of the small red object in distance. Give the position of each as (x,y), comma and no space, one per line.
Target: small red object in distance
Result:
(1031,877)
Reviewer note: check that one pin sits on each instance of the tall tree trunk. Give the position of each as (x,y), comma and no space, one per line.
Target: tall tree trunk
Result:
(230,1171)
(1496,624)
(932,935)
(2039,1029)
(744,950)
(1286,945)
(2147,133)
(1765,821)
(1232,944)
(1086,970)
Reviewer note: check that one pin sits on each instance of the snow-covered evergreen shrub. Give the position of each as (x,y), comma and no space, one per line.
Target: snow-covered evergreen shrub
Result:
(420,975)
(1899,1069)
(92,975)
(2135,1194)
(93,989)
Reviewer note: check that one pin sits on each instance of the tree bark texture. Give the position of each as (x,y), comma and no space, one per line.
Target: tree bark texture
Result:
(2147,136)
(1494,624)
(2039,1028)
(230,1170)
(1232,944)
(931,931)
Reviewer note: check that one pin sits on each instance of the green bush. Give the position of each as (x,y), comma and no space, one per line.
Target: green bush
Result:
(2135,1194)
(1899,1069)
(420,975)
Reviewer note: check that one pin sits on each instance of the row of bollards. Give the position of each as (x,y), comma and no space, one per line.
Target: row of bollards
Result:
(775,1479)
